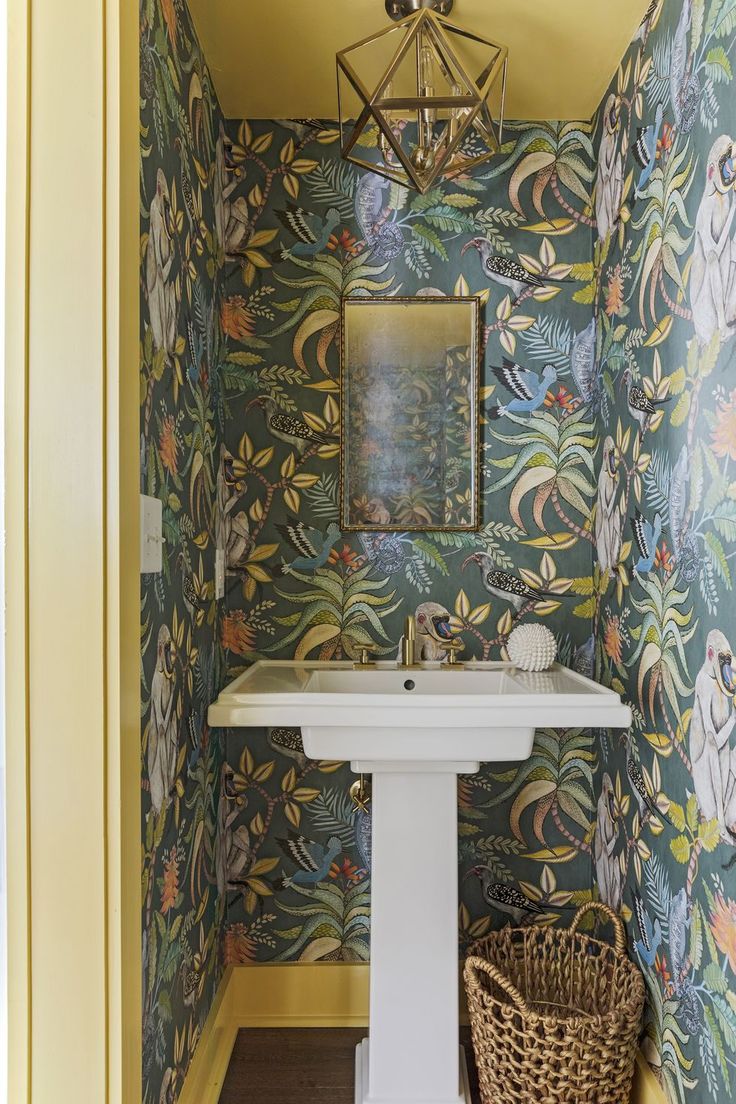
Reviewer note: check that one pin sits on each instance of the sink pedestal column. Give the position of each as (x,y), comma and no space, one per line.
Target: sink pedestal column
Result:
(412,1055)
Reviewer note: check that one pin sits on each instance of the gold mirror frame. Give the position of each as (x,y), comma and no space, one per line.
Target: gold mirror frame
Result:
(348,492)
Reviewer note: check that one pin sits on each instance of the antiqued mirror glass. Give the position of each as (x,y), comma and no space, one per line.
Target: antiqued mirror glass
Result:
(410,414)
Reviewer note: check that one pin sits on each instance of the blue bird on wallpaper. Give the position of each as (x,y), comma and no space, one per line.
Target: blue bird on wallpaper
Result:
(313,547)
(312,233)
(313,859)
(529,389)
(650,935)
(646,537)
(645,150)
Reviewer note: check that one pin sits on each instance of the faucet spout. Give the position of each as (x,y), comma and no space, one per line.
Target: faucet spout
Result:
(409,644)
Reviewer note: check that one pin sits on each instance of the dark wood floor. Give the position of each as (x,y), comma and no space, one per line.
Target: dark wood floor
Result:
(299,1067)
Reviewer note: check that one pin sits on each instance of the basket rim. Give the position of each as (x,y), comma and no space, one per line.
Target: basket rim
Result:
(572,943)
(565,940)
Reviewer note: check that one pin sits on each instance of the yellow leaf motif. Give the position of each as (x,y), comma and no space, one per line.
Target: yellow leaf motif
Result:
(261,238)
(710,835)
(680,848)
(303,165)
(660,742)
(262,143)
(292,499)
(263,552)
(260,887)
(258,573)
(555,855)
(288,467)
(245,448)
(304,480)
(462,605)
(305,795)
(291,185)
(288,152)
(553,227)
(262,866)
(263,458)
(531,793)
(264,772)
(660,332)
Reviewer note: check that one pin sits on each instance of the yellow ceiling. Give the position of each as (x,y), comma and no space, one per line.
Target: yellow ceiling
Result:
(273,59)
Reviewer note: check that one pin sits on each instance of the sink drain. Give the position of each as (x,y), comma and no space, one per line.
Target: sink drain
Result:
(409,684)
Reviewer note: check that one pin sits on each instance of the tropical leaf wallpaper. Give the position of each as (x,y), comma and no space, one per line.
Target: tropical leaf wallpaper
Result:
(182,666)
(605,257)
(304,229)
(666,529)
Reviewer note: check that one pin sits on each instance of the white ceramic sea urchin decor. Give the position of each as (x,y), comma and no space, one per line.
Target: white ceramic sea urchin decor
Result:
(532,647)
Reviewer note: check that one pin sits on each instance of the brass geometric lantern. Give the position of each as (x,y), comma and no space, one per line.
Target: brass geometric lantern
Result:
(423,99)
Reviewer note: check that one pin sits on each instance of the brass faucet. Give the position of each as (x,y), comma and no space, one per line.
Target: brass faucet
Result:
(365,662)
(452,649)
(409,645)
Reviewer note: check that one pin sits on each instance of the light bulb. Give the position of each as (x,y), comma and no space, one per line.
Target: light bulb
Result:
(426,117)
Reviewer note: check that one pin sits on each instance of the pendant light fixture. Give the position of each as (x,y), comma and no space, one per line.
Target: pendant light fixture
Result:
(422,99)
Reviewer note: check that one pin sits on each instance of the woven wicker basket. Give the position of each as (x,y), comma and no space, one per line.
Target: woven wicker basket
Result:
(556,1016)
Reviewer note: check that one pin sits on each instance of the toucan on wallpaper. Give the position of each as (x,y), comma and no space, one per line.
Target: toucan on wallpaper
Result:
(605,256)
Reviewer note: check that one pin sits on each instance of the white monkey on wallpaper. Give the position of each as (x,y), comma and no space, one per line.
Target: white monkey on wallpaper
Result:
(160,288)
(163,725)
(713,274)
(713,720)
(607,868)
(608,516)
(610,187)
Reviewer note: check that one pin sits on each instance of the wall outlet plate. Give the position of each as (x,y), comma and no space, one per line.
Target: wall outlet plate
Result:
(152,535)
(219,574)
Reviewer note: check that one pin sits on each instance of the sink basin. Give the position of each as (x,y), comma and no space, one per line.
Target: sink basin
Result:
(482,712)
(414,730)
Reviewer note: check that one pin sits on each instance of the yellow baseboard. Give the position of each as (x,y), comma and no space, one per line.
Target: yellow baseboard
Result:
(647,1089)
(206,1076)
(301,995)
(311,994)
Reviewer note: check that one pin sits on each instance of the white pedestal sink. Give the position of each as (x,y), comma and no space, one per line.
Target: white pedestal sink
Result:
(415,731)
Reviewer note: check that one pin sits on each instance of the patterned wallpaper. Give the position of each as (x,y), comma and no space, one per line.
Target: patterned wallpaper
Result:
(666,529)
(181,430)
(305,228)
(609,427)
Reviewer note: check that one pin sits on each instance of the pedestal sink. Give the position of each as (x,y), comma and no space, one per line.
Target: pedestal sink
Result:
(415,731)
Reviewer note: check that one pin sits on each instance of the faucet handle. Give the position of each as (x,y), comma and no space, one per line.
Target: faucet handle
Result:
(452,649)
(366,651)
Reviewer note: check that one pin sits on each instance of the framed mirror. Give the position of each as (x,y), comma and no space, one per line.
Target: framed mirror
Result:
(410,383)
